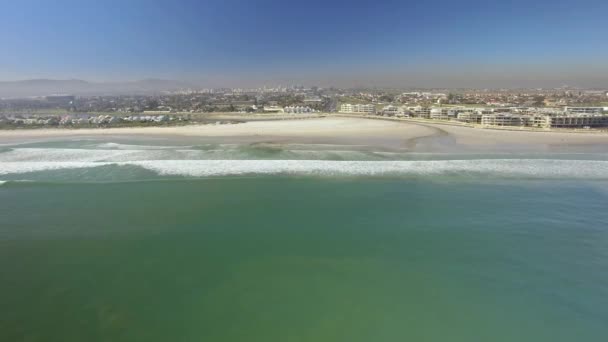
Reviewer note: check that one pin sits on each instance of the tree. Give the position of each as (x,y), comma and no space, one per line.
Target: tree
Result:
(387,98)
(151,104)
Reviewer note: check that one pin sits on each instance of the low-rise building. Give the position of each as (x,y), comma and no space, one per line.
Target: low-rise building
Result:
(546,120)
(505,120)
(578,121)
(444,113)
(273,109)
(358,108)
(391,110)
(471,117)
(346,108)
(439,114)
(420,112)
(298,109)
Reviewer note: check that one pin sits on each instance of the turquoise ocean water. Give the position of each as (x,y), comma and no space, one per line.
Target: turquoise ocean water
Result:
(105,240)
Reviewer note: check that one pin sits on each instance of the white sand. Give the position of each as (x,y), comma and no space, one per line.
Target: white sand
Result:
(280,128)
(342,129)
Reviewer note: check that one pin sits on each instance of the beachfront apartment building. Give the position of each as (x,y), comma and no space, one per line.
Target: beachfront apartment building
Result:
(420,112)
(442,113)
(365,108)
(463,114)
(391,110)
(577,121)
(505,120)
(546,120)
(357,108)
(471,117)
(346,108)
(298,109)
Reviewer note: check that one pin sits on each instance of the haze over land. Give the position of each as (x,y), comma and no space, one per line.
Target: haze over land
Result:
(43,87)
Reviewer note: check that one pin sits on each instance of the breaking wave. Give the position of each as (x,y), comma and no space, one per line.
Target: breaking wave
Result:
(117,146)
(529,168)
(112,161)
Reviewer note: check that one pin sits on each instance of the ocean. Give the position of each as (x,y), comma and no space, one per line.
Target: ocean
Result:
(106,239)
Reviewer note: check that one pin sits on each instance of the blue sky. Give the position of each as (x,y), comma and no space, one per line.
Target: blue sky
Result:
(382,42)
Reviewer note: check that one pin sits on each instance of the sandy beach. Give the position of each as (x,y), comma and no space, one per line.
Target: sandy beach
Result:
(412,136)
(309,127)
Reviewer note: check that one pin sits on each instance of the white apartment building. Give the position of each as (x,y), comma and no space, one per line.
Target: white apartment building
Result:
(471,117)
(365,108)
(546,121)
(440,113)
(577,121)
(298,109)
(540,121)
(420,112)
(346,108)
(391,110)
(357,108)
(453,113)
(505,120)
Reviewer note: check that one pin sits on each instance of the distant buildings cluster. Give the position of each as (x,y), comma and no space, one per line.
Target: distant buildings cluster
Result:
(298,109)
(357,108)
(75,120)
(556,107)
(566,117)
(564,120)
(289,109)
(34,121)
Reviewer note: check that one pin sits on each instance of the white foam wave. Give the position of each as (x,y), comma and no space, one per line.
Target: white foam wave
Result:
(92,155)
(126,155)
(117,146)
(26,167)
(517,167)
(533,168)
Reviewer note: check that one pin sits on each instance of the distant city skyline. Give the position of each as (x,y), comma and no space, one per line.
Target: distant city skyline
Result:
(237,43)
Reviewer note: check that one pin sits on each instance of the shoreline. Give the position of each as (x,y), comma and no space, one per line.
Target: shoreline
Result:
(381,132)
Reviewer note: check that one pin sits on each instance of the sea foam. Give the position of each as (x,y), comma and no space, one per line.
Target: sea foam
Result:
(536,168)
(530,168)
(243,160)
(118,146)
